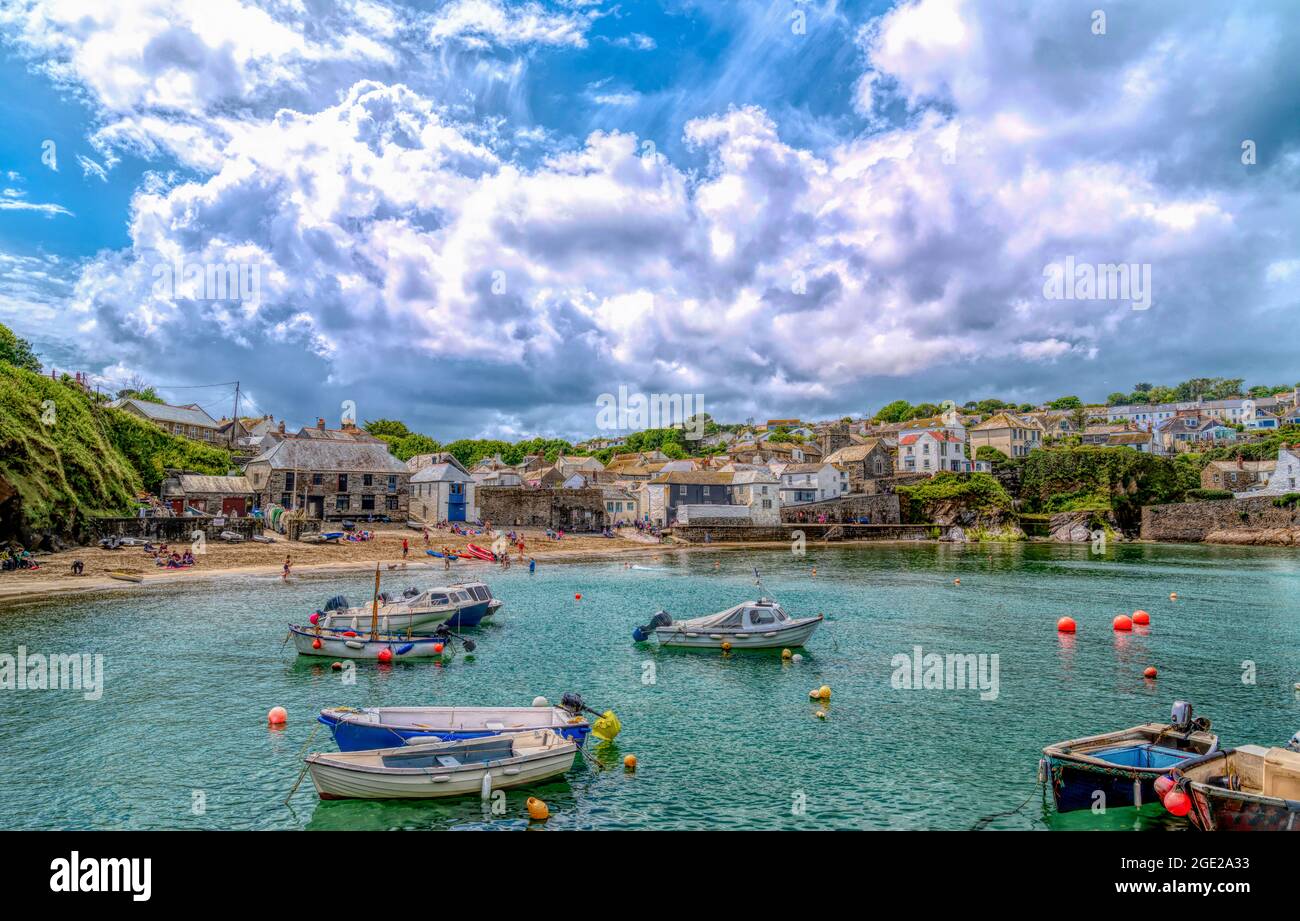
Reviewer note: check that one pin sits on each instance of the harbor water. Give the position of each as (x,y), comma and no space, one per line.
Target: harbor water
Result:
(178,737)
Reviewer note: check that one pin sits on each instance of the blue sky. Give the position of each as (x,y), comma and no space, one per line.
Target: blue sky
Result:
(478,216)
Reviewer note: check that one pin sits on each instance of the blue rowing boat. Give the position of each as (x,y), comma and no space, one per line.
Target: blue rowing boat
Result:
(384,727)
(1118,769)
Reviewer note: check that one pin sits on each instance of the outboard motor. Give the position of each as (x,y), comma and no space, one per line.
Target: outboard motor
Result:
(337,603)
(411,592)
(1294,744)
(1181,717)
(661,619)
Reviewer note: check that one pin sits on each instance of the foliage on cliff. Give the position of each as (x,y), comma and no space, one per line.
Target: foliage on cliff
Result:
(1096,478)
(977,492)
(63,458)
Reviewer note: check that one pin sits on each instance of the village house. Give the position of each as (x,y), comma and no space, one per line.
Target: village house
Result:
(1236,475)
(441,489)
(1009,434)
(225,496)
(620,505)
(1143,442)
(1190,428)
(189,421)
(863,463)
(802,483)
(331,478)
(930,452)
(667,491)
(759,491)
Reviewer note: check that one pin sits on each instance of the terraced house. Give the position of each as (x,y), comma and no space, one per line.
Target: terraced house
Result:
(188,421)
(332,479)
(1010,434)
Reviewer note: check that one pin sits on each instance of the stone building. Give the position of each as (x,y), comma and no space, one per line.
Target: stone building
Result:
(533,507)
(864,463)
(332,478)
(226,496)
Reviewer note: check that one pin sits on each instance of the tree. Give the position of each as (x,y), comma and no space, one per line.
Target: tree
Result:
(391,428)
(17,351)
(897,411)
(1079,419)
(1117,399)
(147,394)
(1065,403)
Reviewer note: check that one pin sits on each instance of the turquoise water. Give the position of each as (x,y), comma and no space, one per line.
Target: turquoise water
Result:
(722,742)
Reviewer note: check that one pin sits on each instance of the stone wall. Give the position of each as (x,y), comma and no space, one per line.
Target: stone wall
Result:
(695,534)
(881,509)
(522,506)
(172,530)
(1227,521)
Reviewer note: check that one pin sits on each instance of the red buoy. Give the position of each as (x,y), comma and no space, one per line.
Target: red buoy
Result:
(437,647)
(1150,672)
(1177,802)
(1141,618)
(385,655)
(315,644)
(1164,783)
(337,666)
(578,596)
(1065,625)
(1122,623)
(277,717)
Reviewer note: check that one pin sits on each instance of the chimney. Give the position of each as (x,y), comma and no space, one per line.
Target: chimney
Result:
(281,428)
(320,423)
(1240,465)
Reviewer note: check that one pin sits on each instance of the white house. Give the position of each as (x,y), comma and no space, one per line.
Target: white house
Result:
(932,451)
(759,490)
(1285,477)
(801,483)
(443,492)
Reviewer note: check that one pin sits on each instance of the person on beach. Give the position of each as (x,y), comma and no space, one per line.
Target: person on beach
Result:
(426,535)
(532,565)
(78,567)
(288,564)
(406,548)
(446,558)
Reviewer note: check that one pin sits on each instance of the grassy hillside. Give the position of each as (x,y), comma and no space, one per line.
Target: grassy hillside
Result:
(1103,479)
(64,459)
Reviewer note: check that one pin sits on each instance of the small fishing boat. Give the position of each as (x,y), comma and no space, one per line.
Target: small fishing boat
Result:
(1249,788)
(380,727)
(436,769)
(349,644)
(1123,766)
(760,624)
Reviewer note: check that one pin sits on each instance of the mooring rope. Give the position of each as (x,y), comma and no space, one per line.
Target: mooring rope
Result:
(983,822)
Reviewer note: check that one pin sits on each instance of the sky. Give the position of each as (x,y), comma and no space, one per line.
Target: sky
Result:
(479,216)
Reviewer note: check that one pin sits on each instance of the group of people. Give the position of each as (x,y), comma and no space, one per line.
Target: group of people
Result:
(11,560)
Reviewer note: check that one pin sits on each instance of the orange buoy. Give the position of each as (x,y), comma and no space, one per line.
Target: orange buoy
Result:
(385,655)
(437,648)
(726,647)
(537,810)
(1164,783)
(1150,672)
(956,581)
(1141,618)
(1176,802)
(629,762)
(577,596)
(315,644)
(278,716)
(1123,623)
(1173,596)
(1065,625)
(337,666)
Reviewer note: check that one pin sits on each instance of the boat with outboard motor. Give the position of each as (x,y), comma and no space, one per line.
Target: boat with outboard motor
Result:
(1248,788)
(360,729)
(461,604)
(1123,766)
(761,624)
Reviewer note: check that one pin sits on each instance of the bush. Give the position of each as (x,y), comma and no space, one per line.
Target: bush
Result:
(1288,500)
(1208,494)
(979,491)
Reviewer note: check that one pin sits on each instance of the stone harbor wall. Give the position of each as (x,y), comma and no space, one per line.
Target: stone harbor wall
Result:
(173,530)
(522,506)
(724,533)
(876,509)
(1230,521)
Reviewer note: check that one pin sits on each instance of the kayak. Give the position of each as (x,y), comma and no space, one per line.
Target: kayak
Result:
(449,556)
(478,552)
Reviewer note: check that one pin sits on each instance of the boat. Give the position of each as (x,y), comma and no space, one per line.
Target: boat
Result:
(125,575)
(478,552)
(415,612)
(438,769)
(349,644)
(760,624)
(1123,766)
(380,727)
(442,556)
(1248,788)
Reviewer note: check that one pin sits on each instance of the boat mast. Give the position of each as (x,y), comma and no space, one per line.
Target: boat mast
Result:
(374,608)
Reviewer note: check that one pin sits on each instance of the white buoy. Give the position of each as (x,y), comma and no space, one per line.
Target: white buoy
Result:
(541,702)
(485,789)
(796,658)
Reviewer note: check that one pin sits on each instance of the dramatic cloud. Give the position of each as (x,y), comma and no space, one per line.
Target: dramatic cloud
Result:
(406,259)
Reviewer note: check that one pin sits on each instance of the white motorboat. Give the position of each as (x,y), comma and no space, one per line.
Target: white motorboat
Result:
(760,624)
(436,769)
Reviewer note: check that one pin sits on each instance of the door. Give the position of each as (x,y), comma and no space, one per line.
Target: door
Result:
(456,502)
(233,507)
(178,506)
(315,506)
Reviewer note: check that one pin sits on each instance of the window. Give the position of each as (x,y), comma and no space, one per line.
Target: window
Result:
(341,503)
(706,490)
(286,500)
(391,503)
(317,479)
(367,480)
(392,483)
(288,482)
(681,490)
(368,502)
(761,616)
(343,482)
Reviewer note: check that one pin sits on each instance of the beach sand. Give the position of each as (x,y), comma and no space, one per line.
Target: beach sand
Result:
(221,559)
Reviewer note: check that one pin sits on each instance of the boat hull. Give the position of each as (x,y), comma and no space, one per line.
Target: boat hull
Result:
(1076,786)
(419,622)
(1227,810)
(335,646)
(794,634)
(355,732)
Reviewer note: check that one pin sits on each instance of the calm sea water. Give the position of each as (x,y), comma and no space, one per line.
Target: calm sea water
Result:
(723,742)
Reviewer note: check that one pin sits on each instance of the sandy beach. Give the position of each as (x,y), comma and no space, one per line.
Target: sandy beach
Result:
(221,560)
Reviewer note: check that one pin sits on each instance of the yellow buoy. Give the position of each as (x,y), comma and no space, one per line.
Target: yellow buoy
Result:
(785,653)
(606,726)
(821,714)
(726,647)
(629,762)
(824,692)
(537,810)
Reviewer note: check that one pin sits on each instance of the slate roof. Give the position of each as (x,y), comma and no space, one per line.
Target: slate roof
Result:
(329,455)
(163,412)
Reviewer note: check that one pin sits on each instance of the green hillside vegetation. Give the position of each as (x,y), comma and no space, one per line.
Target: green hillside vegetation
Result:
(979,492)
(1103,479)
(64,459)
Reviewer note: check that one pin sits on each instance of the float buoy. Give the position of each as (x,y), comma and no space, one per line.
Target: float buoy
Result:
(629,762)
(541,702)
(821,714)
(385,655)
(315,644)
(814,570)
(1066,625)
(337,666)
(1141,618)
(1149,673)
(278,716)
(577,596)
(821,693)
(315,618)
(1164,783)
(437,648)
(726,647)
(537,810)
(798,658)
(1122,623)
(1177,803)
(786,654)
(1173,596)
(956,581)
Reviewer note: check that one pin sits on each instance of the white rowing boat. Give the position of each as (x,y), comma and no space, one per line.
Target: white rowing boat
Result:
(760,624)
(436,769)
